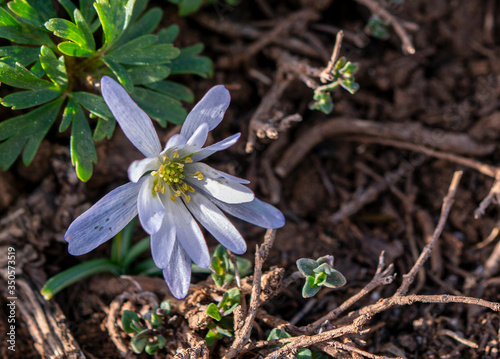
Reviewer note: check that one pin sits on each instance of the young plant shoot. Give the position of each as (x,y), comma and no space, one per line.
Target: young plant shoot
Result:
(172,191)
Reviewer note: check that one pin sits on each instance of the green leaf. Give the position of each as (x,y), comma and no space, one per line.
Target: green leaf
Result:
(152,347)
(306,266)
(350,86)
(121,74)
(114,16)
(213,312)
(189,63)
(147,267)
(138,343)
(148,74)
(161,341)
(121,242)
(145,25)
(335,280)
(78,33)
(166,306)
(72,275)
(75,50)
(143,51)
(25,99)
(172,89)
(310,289)
(134,252)
(211,337)
(37,69)
(93,103)
(168,35)
(304,354)
(87,10)
(230,300)
(69,7)
(28,129)
(323,102)
(187,7)
(13,30)
(323,268)
(159,106)
(82,146)
(26,12)
(44,9)
(20,77)
(82,25)
(22,54)
(53,67)
(276,333)
(128,317)
(225,332)
(104,129)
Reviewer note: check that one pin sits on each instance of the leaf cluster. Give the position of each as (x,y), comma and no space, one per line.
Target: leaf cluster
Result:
(319,273)
(342,75)
(149,330)
(221,314)
(52,59)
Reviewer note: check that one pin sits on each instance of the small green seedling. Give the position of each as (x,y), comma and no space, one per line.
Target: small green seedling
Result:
(319,273)
(149,333)
(377,28)
(343,75)
(221,314)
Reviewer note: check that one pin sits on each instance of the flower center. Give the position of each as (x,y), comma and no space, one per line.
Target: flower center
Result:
(170,176)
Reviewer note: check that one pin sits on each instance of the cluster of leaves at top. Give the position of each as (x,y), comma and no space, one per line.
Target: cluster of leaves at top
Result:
(149,333)
(319,273)
(52,74)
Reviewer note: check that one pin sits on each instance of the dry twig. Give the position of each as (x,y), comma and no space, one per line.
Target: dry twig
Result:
(242,334)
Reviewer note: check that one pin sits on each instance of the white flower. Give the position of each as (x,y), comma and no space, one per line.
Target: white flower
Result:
(170,187)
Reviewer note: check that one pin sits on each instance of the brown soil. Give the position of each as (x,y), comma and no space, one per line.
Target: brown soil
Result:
(369,177)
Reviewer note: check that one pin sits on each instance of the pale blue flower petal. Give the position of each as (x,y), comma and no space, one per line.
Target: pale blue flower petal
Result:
(174,142)
(216,147)
(209,110)
(134,122)
(199,136)
(177,273)
(256,212)
(162,242)
(216,223)
(218,186)
(219,174)
(138,168)
(150,208)
(103,220)
(188,232)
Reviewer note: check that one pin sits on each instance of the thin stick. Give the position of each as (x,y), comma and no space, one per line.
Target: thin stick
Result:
(325,75)
(353,349)
(242,335)
(375,8)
